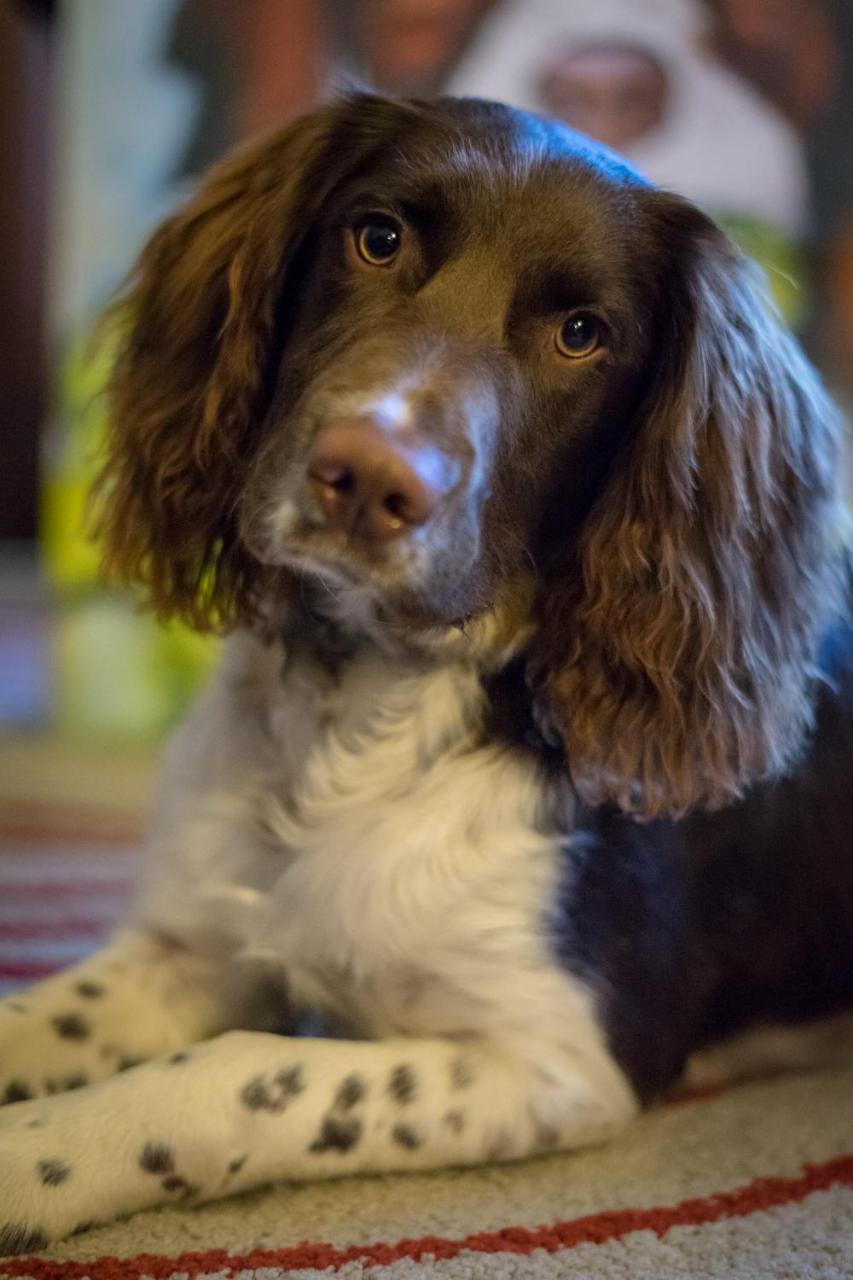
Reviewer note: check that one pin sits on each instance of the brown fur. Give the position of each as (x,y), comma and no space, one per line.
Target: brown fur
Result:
(680,613)
(190,388)
(692,606)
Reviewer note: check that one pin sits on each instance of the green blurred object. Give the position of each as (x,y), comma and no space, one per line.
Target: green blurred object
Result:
(781,259)
(118,675)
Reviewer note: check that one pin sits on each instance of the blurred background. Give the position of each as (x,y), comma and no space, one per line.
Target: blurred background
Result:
(109,111)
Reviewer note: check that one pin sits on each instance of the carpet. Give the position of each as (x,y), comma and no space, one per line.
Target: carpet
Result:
(753,1183)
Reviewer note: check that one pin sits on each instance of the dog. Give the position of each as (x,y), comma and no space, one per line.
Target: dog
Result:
(526,767)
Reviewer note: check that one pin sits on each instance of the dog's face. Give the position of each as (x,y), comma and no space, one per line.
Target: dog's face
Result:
(424,352)
(471,328)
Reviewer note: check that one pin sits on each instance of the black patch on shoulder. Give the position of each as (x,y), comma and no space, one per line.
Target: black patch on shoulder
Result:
(156,1157)
(351,1091)
(403,1084)
(90,990)
(175,1058)
(405,1136)
(234,1166)
(337,1134)
(17,1239)
(264,1094)
(17,1091)
(511,717)
(71,1026)
(461,1073)
(53,1172)
(455,1120)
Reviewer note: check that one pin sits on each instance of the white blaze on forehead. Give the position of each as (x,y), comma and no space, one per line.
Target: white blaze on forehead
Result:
(394,409)
(391,409)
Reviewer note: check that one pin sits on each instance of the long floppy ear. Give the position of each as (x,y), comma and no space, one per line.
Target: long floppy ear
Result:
(192,381)
(682,634)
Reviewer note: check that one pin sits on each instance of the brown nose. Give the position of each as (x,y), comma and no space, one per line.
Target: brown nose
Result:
(374,484)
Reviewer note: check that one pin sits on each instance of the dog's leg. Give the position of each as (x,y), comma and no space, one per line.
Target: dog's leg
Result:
(140,997)
(769,1050)
(248,1108)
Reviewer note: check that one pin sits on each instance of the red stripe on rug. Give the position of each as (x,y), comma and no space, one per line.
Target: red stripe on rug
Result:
(45,891)
(597,1228)
(55,930)
(38,821)
(30,970)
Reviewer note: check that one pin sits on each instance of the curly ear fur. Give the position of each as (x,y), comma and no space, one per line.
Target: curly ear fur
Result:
(692,608)
(192,380)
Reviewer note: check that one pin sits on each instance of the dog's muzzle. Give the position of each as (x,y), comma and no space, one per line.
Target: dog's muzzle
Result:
(377,484)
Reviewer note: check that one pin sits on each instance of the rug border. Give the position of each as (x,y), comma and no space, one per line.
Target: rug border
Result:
(754,1197)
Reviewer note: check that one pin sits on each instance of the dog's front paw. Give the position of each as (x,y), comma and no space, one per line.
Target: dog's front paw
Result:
(60,1171)
(42,1196)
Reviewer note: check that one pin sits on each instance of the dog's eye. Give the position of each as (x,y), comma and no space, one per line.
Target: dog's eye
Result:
(378,242)
(579,335)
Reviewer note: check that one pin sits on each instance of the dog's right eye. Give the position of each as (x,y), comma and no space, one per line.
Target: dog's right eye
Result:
(378,242)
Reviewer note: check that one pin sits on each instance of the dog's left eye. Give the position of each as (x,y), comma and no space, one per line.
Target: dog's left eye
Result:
(378,241)
(579,335)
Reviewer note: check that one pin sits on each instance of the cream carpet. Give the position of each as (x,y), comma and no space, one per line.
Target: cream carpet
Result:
(756,1183)
(752,1184)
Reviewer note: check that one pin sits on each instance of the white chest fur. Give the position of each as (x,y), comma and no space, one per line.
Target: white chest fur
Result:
(360,834)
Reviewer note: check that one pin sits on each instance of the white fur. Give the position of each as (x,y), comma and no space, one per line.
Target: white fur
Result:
(352,836)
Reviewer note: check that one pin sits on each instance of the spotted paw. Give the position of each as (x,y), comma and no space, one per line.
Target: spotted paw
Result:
(42,1196)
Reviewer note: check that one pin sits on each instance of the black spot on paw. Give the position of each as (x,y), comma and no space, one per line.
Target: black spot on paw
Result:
(405,1136)
(403,1084)
(262,1093)
(499,1146)
(176,1185)
(17,1091)
(350,1091)
(255,1095)
(547,1136)
(461,1073)
(337,1134)
(90,990)
(156,1157)
(455,1120)
(53,1172)
(71,1026)
(175,1058)
(17,1239)
(290,1081)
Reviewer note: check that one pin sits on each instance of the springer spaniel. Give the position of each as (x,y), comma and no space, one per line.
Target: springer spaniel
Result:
(528,759)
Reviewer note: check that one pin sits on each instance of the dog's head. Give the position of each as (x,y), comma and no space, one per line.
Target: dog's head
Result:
(429,351)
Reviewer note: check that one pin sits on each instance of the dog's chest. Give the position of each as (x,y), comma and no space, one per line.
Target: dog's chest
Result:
(408,854)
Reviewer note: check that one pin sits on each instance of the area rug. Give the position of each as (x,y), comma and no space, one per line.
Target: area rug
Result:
(751,1184)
